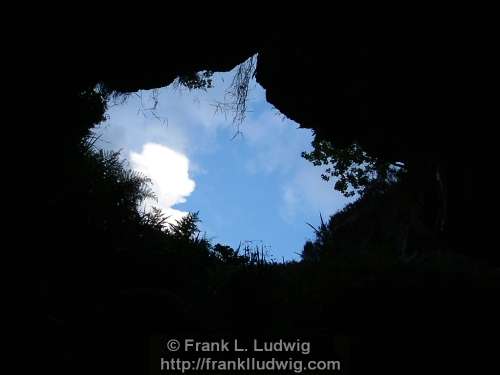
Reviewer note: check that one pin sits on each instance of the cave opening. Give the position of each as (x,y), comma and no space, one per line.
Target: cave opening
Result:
(229,155)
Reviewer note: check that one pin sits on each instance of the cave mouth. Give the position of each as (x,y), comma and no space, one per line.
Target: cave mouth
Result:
(236,162)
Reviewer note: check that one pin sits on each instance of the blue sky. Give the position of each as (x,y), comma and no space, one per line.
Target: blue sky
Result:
(255,186)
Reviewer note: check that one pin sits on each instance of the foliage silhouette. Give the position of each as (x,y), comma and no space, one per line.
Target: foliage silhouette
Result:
(353,169)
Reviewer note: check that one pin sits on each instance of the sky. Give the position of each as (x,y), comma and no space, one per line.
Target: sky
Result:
(254,186)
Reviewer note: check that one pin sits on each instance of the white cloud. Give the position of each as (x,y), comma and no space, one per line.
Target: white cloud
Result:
(277,144)
(169,174)
(306,193)
(290,203)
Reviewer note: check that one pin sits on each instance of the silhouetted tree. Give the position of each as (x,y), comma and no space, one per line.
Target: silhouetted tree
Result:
(354,170)
(186,228)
